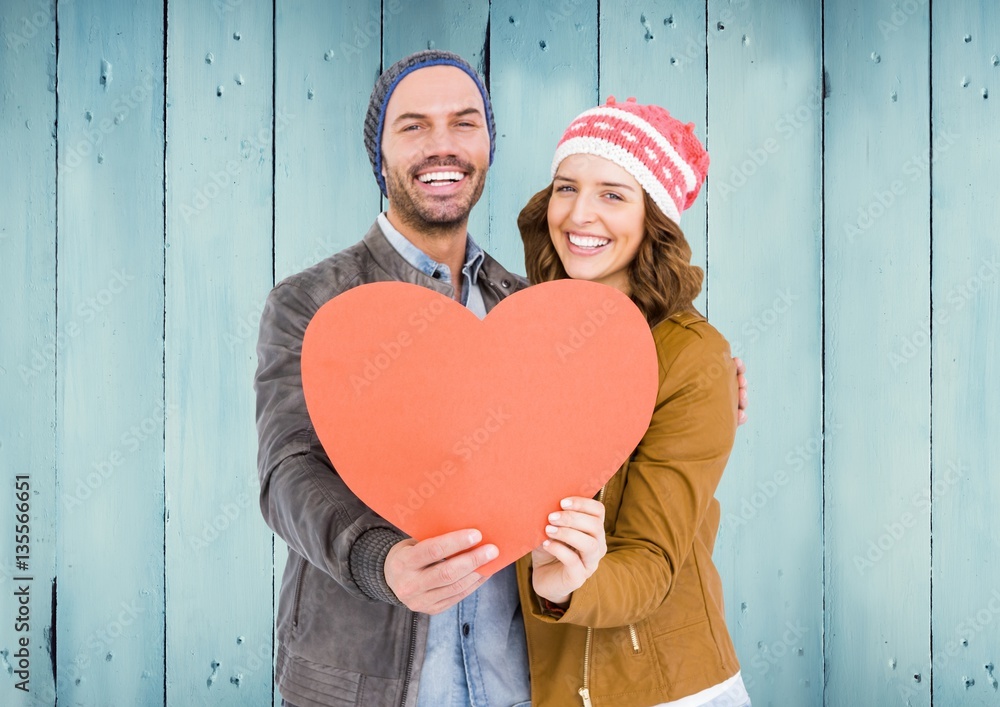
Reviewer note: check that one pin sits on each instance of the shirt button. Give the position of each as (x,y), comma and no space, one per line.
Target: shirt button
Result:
(465,629)
(505,284)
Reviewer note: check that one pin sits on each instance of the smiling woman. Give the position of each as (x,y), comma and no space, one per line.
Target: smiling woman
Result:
(623,604)
(596,219)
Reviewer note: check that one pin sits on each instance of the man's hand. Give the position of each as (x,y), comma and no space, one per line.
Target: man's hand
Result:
(431,575)
(576,544)
(741,381)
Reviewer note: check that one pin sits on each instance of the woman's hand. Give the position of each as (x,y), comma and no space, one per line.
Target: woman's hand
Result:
(575,546)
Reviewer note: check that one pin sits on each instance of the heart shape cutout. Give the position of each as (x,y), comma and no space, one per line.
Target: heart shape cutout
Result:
(439,421)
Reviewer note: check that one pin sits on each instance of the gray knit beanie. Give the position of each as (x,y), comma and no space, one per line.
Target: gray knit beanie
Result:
(386,84)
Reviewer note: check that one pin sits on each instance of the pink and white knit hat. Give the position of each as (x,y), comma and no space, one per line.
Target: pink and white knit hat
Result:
(661,152)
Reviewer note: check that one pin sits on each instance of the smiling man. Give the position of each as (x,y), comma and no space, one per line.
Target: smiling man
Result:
(367,616)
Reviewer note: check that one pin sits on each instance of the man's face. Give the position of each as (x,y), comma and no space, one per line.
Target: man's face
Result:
(435,148)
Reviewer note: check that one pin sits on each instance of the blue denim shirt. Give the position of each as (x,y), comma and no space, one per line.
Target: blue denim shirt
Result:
(471,295)
(476,651)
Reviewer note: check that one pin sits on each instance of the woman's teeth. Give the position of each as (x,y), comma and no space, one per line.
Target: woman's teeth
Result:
(440,177)
(588,241)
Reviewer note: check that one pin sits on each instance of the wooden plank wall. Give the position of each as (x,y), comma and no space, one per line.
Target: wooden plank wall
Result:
(168,161)
(877,288)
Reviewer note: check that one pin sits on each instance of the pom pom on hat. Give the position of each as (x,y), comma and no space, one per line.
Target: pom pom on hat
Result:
(661,152)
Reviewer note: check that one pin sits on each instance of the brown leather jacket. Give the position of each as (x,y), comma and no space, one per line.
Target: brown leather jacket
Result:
(343,638)
(649,626)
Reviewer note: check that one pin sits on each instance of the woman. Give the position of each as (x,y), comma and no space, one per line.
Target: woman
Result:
(622,603)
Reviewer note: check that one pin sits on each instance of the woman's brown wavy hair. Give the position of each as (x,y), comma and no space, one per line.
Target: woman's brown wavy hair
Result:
(662,279)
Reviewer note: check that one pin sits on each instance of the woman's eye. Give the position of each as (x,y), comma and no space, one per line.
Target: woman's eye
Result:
(613,196)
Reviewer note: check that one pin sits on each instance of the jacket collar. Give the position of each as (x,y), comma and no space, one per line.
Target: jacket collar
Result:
(495,281)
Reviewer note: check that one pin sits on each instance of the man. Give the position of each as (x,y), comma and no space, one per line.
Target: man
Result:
(367,616)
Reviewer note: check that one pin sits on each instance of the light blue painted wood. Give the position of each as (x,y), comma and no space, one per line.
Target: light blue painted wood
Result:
(90,424)
(667,39)
(28,351)
(459,26)
(764,256)
(543,72)
(218,270)
(326,198)
(876,294)
(965,151)
(109,389)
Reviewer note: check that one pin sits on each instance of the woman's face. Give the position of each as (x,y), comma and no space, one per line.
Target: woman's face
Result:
(596,219)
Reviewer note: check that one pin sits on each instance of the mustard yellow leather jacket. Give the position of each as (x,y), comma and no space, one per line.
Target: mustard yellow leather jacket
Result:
(648,626)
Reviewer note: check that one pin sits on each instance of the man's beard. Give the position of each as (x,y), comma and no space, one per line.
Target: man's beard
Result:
(425,213)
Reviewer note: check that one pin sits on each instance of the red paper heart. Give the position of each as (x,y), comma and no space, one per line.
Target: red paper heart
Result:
(439,421)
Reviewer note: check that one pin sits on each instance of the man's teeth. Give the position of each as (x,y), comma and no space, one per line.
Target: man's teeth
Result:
(432,177)
(588,241)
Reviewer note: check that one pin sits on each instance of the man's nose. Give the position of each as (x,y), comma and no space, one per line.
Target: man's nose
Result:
(440,141)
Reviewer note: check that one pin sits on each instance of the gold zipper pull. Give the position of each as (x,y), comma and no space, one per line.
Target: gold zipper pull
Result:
(633,632)
(585,694)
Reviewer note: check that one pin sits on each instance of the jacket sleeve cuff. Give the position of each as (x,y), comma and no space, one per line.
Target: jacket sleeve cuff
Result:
(368,563)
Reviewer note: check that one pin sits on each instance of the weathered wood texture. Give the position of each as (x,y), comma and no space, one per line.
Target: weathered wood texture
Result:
(764,265)
(963,493)
(205,150)
(30,342)
(877,292)
(543,72)
(220,135)
(109,378)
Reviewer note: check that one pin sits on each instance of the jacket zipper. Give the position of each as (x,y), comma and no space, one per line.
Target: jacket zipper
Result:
(298,591)
(585,690)
(633,632)
(409,660)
